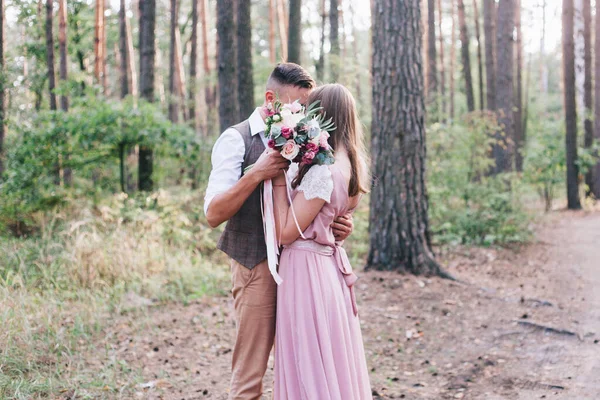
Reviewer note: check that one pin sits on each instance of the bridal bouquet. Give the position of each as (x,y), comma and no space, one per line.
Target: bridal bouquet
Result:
(299,135)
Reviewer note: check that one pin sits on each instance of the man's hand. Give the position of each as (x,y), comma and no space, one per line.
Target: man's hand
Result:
(343,227)
(269,165)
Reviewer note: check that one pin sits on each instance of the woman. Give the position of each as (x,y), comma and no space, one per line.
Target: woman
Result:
(319,353)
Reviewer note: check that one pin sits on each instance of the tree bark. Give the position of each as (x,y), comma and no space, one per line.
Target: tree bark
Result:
(62,43)
(99,43)
(518,114)
(334,53)
(432,82)
(147,77)
(442,112)
(244,59)
(399,226)
(320,67)
(295,32)
(282,29)
(595,184)
(466,58)
(2,85)
(173,93)
(479,58)
(208,89)
(193,84)
(128,78)
(502,148)
(452,58)
(568,45)
(489,26)
(543,67)
(50,53)
(227,60)
(587,86)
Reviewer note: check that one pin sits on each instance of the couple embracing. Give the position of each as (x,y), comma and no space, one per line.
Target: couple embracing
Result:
(311,316)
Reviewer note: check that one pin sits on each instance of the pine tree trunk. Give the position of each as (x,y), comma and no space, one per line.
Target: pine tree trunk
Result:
(489,27)
(180,75)
(50,53)
(193,84)
(227,61)
(569,102)
(432,82)
(173,94)
(62,43)
(320,67)
(479,58)
(452,58)
(295,33)
(99,44)
(147,77)
(208,92)
(466,58)
(543,67)
(595,186)
(244,59)
(442,112)
(2,85)
(282,29)
(123,50)
(399,225)
(518,114)
(334,53)
(587,86)
(502,148)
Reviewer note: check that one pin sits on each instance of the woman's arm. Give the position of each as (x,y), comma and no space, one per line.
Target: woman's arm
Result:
(305,209)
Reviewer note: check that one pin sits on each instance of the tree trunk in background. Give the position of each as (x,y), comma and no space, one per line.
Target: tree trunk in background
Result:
(173,93)
(227,62)
(479,58)
(192,97)
(569,103)
(518,114)
(180,75)
(452,58)
(2,85)
(595,186)
(62,46)
(587,86)
(432,82)
(320,66)
(442,112)
(543,67)
(579,61)
(334,53)
(209,95)
(244,59)
(503,145)
(99,43)
(399,224)
(282,29)
(295,32)
(272,22)
(489,27)
(147,76)
(124,51)
(466,58)
(50,54)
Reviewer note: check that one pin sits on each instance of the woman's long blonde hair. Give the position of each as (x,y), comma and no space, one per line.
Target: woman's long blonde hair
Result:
(338,104)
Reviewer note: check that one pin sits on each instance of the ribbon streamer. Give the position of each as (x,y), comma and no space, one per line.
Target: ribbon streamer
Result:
(268,214)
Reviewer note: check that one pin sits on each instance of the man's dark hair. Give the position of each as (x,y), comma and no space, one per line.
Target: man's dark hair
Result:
(290,74)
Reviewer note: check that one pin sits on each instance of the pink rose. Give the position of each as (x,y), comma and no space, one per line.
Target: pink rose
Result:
(311,147)
(308,158)
(287,132)
(271,143)
(323,140)
(296,107)
(290,150)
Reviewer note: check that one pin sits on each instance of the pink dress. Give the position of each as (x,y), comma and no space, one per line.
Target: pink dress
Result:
(319,353)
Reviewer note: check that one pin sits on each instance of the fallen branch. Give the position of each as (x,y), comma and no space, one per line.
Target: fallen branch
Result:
(544,303)
(546,328)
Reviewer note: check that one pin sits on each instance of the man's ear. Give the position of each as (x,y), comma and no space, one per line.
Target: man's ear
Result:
(270,96)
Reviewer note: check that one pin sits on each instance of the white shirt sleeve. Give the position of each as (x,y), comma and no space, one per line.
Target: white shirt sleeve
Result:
(317,183)
(227,159)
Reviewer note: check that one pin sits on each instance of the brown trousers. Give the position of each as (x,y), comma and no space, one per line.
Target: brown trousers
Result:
(254,300)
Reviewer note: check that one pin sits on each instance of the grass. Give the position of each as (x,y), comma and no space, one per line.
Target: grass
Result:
(89,261)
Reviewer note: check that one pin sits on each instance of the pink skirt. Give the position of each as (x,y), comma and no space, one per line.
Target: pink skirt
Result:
(319,351)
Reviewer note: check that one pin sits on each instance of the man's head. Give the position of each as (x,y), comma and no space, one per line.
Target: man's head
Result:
(289,82)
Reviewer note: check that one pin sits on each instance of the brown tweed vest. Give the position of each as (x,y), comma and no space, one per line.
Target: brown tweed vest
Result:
(243,238)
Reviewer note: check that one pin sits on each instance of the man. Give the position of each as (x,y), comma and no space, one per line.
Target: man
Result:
(235,196)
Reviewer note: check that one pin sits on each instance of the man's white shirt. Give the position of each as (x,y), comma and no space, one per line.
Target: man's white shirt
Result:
(227,158)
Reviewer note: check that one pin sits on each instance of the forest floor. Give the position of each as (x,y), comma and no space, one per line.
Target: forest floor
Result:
(521,323)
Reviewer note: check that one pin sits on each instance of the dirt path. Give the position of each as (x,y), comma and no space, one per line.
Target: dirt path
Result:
(425,338)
